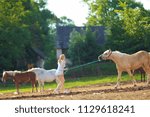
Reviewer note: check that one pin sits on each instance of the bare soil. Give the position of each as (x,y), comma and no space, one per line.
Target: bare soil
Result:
(91,92)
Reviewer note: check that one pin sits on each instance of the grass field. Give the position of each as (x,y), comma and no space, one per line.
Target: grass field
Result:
(83,81)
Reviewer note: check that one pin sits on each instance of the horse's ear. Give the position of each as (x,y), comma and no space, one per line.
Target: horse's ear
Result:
(109,50)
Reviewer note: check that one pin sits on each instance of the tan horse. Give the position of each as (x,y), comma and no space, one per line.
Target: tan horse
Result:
(126,62)
(21,77)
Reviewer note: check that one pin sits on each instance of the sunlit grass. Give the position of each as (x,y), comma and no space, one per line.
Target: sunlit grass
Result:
(83,81)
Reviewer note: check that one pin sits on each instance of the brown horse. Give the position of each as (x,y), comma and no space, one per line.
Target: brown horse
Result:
(142,72)
(8,75)
(126,62)
(21,77)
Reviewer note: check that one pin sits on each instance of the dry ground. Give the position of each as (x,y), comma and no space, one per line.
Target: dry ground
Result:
(92,92)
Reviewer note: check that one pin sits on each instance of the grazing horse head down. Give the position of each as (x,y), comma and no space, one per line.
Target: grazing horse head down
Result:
(7,75)
(127,62)
(20,77)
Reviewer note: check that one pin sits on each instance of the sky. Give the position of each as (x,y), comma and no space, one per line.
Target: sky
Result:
(76,10)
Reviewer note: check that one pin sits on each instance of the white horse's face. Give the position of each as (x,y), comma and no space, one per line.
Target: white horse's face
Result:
(105,55)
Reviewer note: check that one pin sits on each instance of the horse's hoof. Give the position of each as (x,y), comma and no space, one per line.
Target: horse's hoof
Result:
(135,85)
(147,85)
(116,87)
(16,93)
(49,89)
(38,91)
(56,92)
(66,91)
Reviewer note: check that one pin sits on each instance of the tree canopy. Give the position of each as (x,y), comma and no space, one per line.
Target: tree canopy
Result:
(126,23)
(83,46)
(26,24)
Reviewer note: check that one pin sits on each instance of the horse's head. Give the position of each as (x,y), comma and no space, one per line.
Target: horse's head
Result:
(105,55)
(4,77)
(7,75)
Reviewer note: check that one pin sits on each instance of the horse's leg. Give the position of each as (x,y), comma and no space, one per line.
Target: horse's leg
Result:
(17,87)
(36,85)
(148,79)
(147,71)
(141,76)
(118,79)
(32,86)
(132,77)
(39,85)
(144,77)
(42,86)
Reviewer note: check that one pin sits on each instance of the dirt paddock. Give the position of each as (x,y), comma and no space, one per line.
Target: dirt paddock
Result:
(91,92)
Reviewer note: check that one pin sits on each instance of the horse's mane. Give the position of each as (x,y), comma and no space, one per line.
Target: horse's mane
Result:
(120,53)
(116,51)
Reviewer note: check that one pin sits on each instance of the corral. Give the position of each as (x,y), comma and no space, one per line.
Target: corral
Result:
(99,85)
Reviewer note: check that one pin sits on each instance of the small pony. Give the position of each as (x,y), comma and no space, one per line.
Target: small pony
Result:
(8,75)
(20,77)
(126,62)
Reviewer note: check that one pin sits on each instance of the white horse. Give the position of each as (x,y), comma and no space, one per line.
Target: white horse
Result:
(43,75)
(126,62)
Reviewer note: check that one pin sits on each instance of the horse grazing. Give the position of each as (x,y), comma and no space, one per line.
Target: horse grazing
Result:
(21,77)
(8,75)
(126,62)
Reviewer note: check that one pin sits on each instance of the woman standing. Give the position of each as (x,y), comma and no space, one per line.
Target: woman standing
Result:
(60,73)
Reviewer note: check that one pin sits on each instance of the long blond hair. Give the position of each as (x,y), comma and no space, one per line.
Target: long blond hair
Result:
(61,58)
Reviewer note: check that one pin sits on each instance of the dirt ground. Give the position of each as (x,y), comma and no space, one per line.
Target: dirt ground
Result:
(92,92)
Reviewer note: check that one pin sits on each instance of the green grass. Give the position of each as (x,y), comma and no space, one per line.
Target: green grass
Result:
(83,81)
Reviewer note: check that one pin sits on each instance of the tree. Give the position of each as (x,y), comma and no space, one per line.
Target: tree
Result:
(103,12)
(83,46)
(24,24)
(136,23)
(64,21)
(40,21)
(14,35)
